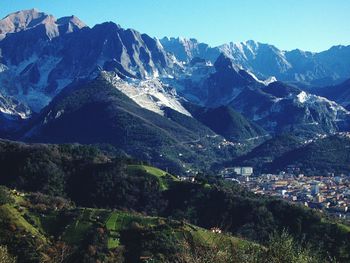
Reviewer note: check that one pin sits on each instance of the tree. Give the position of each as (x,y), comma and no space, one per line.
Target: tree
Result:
(58,253)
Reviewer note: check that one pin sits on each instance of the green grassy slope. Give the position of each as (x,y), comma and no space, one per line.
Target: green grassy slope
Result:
(110,232)
(163,177)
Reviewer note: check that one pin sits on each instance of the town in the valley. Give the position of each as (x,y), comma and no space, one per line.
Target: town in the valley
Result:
(328,193)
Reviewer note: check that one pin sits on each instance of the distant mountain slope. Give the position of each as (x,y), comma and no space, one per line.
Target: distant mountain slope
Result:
(227,82)
(151,94)
(187,49)
(322,156)
(264,60)
(277,107)
(339,93)
(96,112)
(263,155)
(281,108)
(13,115)
(228,123)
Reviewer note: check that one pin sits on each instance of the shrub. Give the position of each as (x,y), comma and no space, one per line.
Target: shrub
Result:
(283,248)
(5,257)
(5,197)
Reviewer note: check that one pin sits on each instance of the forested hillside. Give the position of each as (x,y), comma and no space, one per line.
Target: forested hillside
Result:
(66,176)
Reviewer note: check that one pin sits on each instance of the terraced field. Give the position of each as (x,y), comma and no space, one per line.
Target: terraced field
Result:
(11,214)
(76,231)
(118,221)
(137,235)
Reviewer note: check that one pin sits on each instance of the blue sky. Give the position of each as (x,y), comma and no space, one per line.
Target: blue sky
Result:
(313,25)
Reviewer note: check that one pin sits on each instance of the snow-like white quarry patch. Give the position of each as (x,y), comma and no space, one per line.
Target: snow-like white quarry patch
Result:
(302,97)
(13,108)
(266,82)
(150,94)
(310,99)
(33,95)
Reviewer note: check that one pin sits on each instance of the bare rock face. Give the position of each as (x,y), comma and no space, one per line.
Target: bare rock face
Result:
(276,106)
(21,20)
(42,55)
(29,19)
(329,67)
(70,24)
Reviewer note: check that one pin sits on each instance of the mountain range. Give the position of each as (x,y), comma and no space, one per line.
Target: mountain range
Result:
(174,102)
(265,60)
(116,146)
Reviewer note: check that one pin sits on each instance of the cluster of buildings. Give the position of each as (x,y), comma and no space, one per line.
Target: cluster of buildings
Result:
(329,193)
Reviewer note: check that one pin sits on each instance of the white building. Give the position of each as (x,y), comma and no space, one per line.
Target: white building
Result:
(245,171)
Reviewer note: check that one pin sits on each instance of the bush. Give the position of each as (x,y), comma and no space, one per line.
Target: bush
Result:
(283,248)
(5,197)
(5,257)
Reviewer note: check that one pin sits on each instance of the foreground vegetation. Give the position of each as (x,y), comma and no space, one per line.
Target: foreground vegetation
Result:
(39,228)
(77,204)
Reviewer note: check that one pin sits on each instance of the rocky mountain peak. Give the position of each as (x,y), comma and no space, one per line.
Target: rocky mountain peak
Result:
(28,19)
(223,61)
(22,20)
(70,23)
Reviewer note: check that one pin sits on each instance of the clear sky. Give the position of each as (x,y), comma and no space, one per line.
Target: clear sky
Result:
(313,25)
